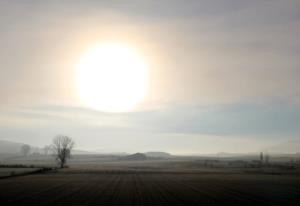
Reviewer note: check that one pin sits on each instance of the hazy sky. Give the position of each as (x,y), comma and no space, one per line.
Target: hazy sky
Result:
(224,74)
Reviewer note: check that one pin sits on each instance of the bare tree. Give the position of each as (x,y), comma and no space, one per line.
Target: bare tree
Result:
(25,149)
(62,147)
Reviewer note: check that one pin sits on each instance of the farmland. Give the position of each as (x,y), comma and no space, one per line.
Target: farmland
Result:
(5,172)
(140,185)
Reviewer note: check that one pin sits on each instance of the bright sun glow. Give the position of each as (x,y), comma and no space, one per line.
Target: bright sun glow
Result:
(111,77)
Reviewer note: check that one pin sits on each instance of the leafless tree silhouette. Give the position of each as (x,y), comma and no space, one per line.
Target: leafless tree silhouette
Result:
(62,147)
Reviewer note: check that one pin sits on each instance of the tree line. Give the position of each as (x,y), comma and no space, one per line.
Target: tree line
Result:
(60,148)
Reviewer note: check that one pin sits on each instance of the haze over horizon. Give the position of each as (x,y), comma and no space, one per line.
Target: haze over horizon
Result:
(221,76)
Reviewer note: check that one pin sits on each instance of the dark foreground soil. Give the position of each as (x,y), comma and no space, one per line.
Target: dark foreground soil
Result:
(149,188)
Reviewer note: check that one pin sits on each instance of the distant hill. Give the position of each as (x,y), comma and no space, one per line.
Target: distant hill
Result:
(158,154)
(134,157)
(9,147)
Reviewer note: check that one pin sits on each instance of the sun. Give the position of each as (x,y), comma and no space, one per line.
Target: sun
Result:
(111,77)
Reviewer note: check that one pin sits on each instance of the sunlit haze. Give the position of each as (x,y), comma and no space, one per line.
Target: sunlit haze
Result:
(185,77)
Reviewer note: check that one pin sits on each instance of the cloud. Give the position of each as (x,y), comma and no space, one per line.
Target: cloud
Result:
(182,129)
(234,119)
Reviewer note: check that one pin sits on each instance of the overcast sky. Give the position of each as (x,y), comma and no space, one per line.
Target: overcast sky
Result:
(224,74)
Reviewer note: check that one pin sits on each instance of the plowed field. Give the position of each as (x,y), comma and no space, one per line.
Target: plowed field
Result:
(149,188)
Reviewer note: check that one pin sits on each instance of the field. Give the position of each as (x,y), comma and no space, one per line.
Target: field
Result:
(6,172)
(139,184)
